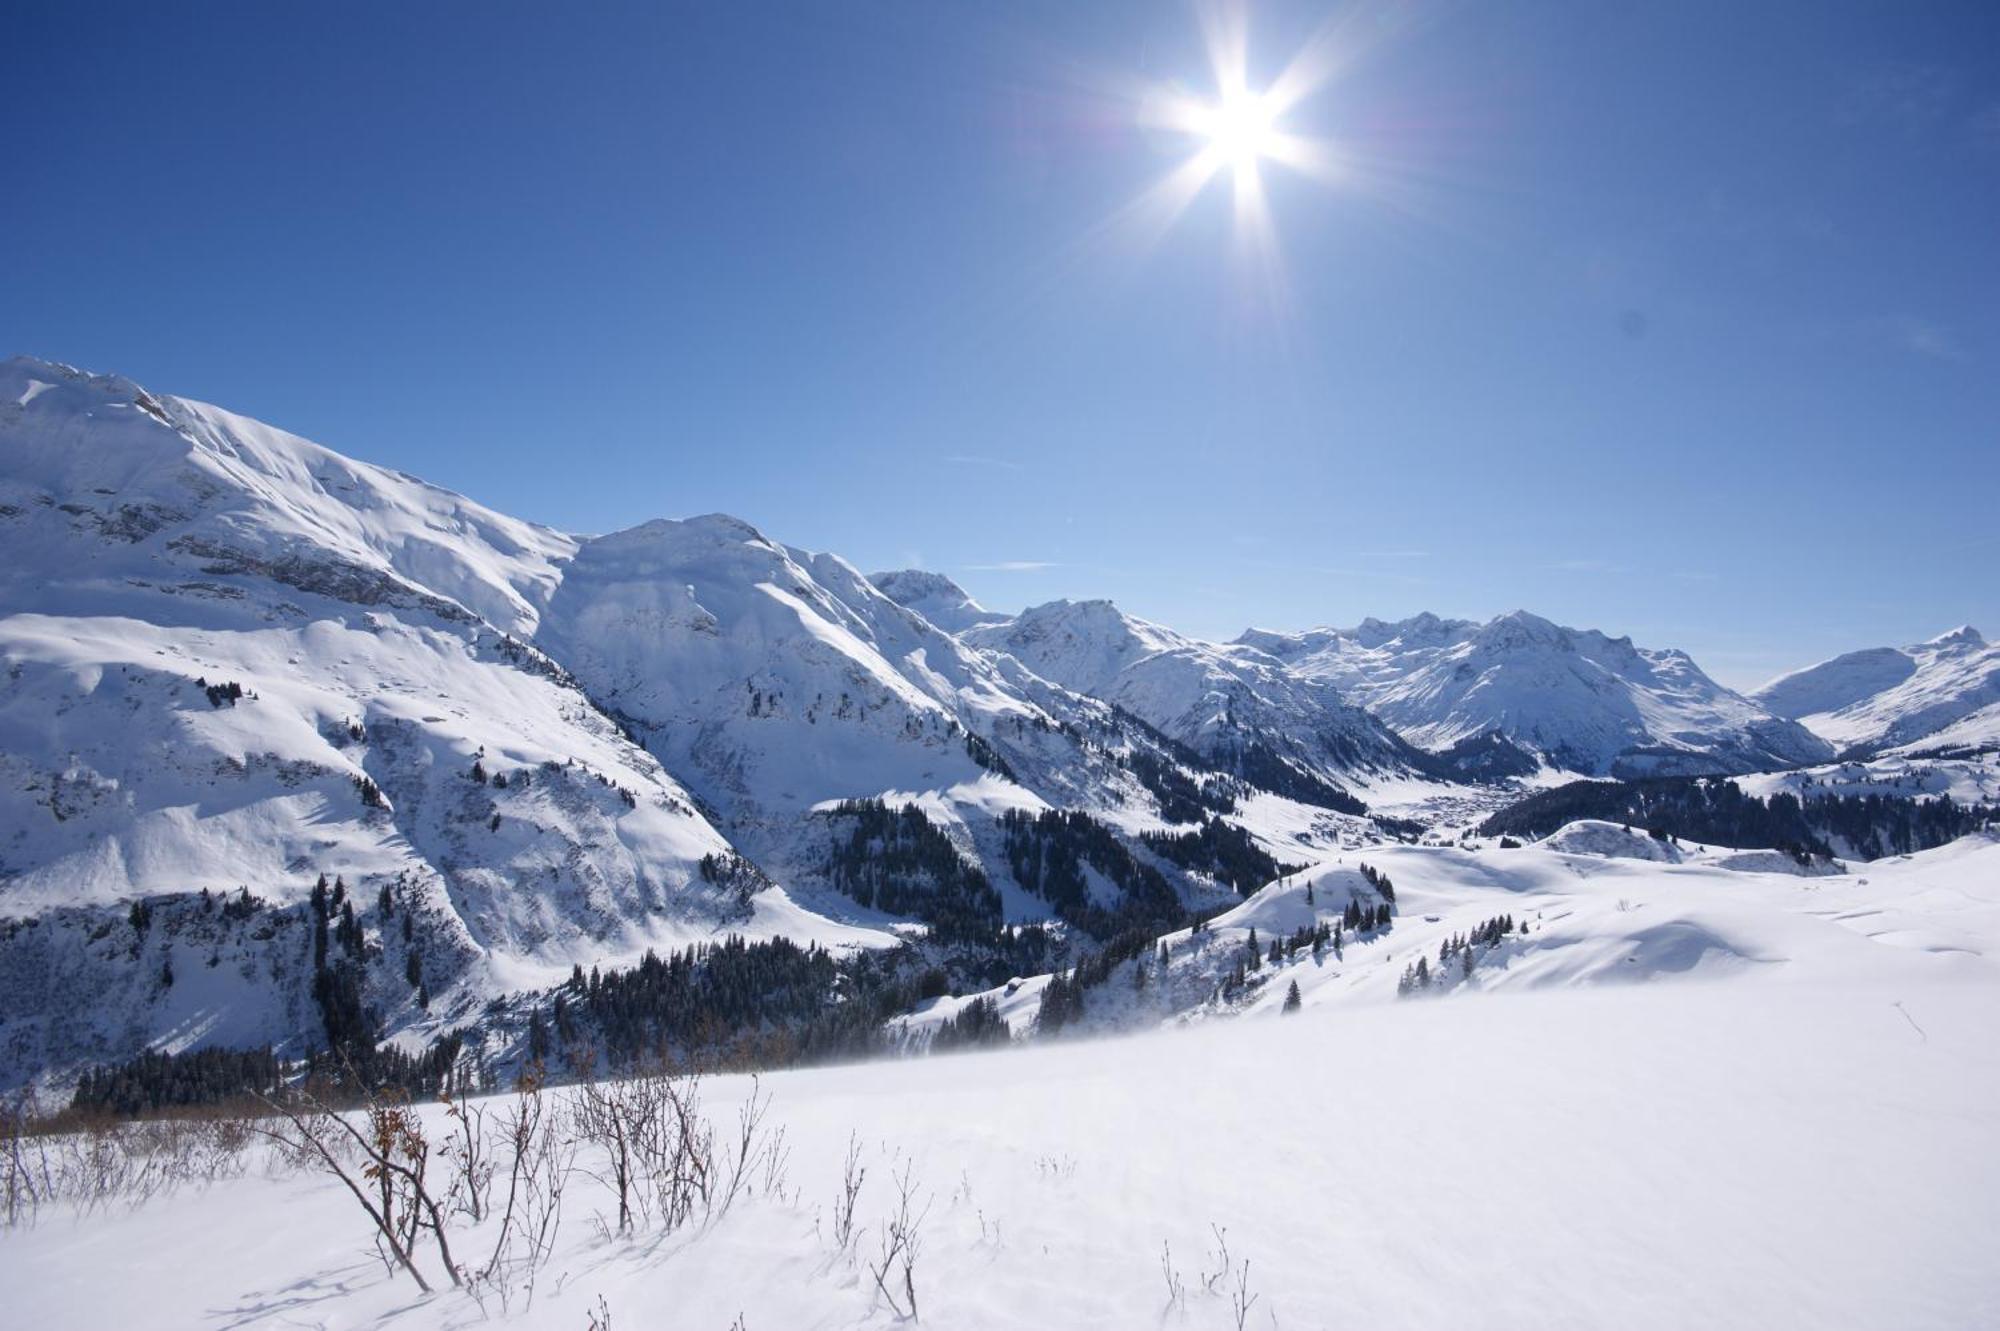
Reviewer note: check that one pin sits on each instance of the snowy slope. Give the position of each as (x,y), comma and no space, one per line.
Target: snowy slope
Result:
(1587,702)
(1219,700)
(1972,780)
(935,597)
(165,478)
(1603,906)
(154,547)
(779,682)
(1598,905)
(1936,696)
(1687,1096)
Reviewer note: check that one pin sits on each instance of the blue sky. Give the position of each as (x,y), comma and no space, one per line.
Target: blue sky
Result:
(1679,320)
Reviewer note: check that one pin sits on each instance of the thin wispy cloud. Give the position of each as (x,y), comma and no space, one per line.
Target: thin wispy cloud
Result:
(1911,334)
(1585,566)
(1392,554)
(1013,566)
(976,460)
(1920,337)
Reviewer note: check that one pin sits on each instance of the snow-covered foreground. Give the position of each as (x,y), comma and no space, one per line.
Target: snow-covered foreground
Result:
(1809,1142)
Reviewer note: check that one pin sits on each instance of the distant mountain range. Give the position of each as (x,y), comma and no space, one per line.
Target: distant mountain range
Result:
(1576,698)
(238,661)
(1940,696)
(1425,695)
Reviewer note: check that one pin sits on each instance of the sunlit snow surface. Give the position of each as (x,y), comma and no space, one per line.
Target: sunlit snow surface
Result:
(1696,1096)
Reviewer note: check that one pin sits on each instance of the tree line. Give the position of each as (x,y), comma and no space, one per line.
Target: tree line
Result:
(1717,811)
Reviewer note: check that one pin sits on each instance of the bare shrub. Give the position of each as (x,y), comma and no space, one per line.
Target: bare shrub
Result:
(902,1243)
(853,1173)
(655,1151)
(777,1164)
(678,1153)
(1240,1298)
(748,1149)
(90,1162)
(27,1181)
(383,1163)
(1176,1288)
(1230,1277)
(609,1116)
(464,1148)
(1211,1279)
(538,1157)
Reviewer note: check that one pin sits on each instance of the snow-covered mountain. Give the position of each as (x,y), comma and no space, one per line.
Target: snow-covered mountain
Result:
(286,737)
(779,682)
(239,663)
(1235,705)
(1938,696)
(236,661)
(935,597)
(1584,701)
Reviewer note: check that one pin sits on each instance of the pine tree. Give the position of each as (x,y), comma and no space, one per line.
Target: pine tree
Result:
(1292,999)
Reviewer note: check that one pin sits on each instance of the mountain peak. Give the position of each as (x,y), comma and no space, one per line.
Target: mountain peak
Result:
(26,381)
(1519,628)
(724,526)
(898,582)
(1420,628)
(1963,636)
(934,596)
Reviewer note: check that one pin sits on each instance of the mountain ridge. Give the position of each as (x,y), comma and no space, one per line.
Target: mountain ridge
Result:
(1580,698)
(1940,694)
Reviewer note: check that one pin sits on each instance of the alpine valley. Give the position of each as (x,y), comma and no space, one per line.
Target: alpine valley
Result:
(303,755)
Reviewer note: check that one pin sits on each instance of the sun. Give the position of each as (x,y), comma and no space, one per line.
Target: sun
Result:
(1237,127)
(1241,128)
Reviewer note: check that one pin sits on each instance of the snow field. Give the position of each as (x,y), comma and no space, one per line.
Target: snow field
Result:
(1791,1121)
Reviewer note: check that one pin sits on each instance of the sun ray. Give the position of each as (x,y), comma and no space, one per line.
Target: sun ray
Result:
(1314,158)
(1150,216)
(1236,130)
